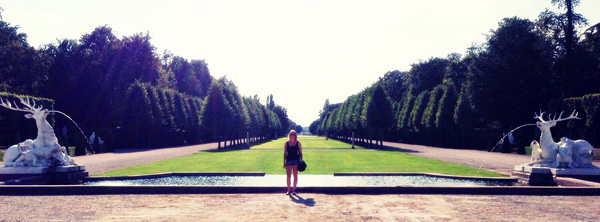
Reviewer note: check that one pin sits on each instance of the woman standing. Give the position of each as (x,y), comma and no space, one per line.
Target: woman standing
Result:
(292,156)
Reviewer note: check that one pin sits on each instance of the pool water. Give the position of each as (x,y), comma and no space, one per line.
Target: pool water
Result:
(303,181)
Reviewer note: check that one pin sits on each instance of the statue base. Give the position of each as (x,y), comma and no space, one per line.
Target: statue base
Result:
(546,176)
(72,174)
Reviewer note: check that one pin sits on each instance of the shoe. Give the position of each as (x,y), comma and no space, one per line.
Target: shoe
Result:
(287,193)
(294,193)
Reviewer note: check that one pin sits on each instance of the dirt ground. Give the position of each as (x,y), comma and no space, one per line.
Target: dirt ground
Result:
(305,207)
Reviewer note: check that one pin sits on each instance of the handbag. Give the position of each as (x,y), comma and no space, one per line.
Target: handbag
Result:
(302,166)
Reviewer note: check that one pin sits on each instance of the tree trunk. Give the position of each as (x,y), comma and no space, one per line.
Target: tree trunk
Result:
(79,146)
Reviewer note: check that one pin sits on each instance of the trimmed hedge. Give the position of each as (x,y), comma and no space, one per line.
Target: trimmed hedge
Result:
(14,127)
(588,127)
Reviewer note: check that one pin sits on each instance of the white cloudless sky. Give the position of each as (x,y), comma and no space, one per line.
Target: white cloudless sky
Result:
(302,52)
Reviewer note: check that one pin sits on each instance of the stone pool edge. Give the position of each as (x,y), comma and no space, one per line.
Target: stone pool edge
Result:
(38,190)
(41,190)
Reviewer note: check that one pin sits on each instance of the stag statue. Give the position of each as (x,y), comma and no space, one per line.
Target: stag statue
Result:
(565,154)
(42,151)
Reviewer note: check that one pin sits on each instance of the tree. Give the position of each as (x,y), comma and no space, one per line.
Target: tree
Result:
(416,113)
(281,113)
(444,116)
(404,111)
(379,114)
(569,28)
(139,116)
(429,114)
(191,78)
(589,61)
(299,129)
(314,127)
(240,120)
(509,80)
(270,103)
(23,70)
(217,114)
(559,29)
(426,74)
(394,84)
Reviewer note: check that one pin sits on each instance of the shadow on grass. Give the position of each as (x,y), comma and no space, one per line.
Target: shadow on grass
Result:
(229,148)
(390,148)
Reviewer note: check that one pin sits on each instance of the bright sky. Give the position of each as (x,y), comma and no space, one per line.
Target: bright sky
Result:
(303,52)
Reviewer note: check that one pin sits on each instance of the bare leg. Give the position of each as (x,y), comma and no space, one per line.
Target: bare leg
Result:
(295,168)
(288,172)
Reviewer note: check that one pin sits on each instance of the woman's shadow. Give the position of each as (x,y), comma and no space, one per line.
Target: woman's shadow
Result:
(298,199)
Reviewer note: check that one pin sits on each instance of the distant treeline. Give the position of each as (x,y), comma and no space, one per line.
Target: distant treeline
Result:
(468,101)
(131,96)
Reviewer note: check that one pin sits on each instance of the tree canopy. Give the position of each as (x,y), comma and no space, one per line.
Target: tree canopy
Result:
(467,100)
(123,90)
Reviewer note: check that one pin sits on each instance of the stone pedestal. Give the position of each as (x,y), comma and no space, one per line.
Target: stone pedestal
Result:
(546,176)
(43,175)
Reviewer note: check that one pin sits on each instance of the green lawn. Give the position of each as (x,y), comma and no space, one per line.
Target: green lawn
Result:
(308,142)
(268,158)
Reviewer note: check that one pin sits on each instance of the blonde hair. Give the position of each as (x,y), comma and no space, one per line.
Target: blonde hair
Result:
(293,132)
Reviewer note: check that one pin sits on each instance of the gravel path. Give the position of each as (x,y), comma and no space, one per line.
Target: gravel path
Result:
(305,207)
(123,158)
(499,162)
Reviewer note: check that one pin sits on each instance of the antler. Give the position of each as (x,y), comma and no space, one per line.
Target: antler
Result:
(540,116)
(555,119)
(30,108)
(572,116)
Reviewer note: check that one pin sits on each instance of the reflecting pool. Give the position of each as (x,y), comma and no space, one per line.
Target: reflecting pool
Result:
(303,181)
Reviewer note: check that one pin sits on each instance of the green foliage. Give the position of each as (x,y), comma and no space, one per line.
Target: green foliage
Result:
(14,127)
(395,84)
(426,74)
(121,87)
(444,116)
(587,107)
(405,110)
(308,143)
(281,113)
(217,112)
(139,115)
(181,114)
(429,115)
(591,106)
(463,114)
(314,127)
(191,78)
(22,68)
(416,114)
(380,116)
(517,71)
(515,65)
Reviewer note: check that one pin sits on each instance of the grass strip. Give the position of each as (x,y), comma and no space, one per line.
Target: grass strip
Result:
(319,162)
(308,142)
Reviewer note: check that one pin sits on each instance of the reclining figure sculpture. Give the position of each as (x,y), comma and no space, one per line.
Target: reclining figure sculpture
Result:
(565,154)
(44,150)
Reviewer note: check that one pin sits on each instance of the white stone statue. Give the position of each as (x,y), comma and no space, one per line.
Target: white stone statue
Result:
(44,150)
(565,154)
(92,137)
